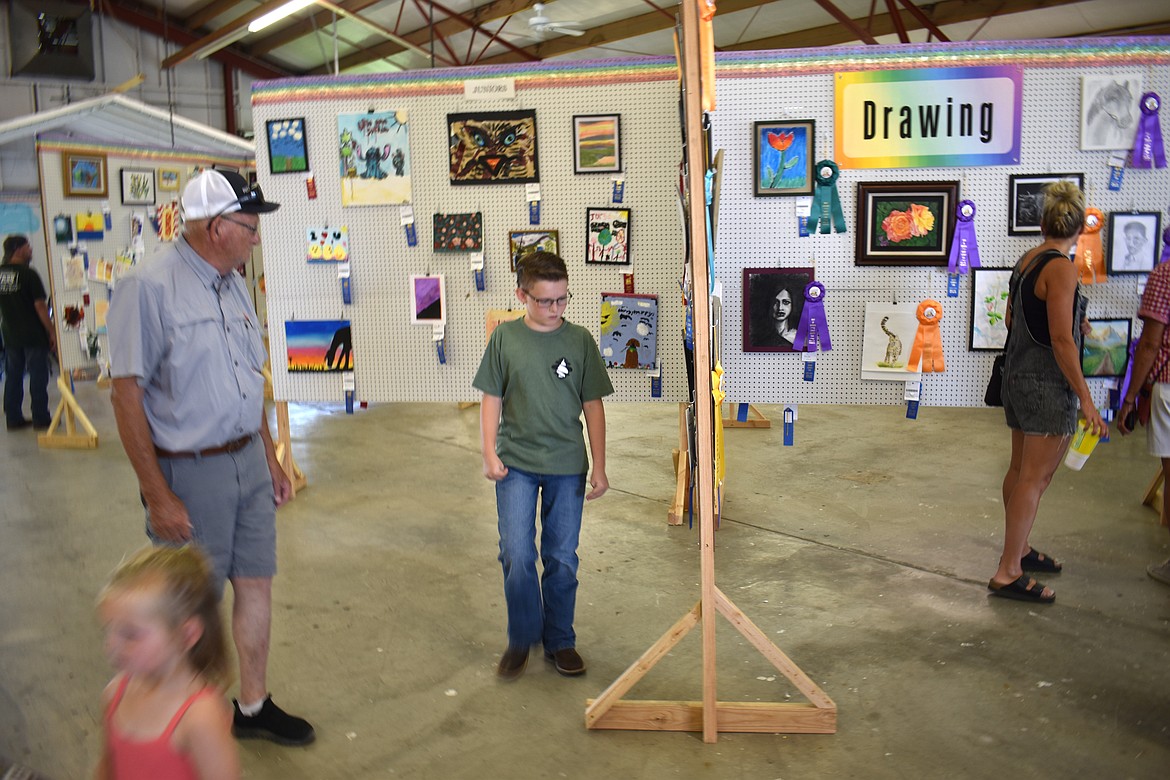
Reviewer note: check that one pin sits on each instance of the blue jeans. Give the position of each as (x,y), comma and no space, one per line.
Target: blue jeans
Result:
(35,360)
(540,611)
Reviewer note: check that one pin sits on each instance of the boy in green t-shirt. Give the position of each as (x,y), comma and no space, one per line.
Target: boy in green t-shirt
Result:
(538,375)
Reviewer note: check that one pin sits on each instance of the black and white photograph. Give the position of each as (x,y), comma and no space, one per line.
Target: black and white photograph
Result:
(1133,241)
(773,302)
(1026,199)
(1109,110)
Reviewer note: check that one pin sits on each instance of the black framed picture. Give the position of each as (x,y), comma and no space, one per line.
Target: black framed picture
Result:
(773,300)
(905,223)
(597,143)
(137,187)
(607,236)
(493,147)
(1026,199)
(1133,241)
(288,150)
(1105,351)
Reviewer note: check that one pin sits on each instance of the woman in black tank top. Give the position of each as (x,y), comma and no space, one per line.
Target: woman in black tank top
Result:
(1042,387)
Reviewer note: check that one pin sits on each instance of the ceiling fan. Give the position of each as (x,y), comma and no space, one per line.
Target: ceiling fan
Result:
(542,24)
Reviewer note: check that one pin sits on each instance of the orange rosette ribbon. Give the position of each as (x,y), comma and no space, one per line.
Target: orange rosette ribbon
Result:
(928,347)
(1090,257)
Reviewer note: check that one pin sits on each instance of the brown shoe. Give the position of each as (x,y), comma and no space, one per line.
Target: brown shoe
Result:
(568,661)
(512,663)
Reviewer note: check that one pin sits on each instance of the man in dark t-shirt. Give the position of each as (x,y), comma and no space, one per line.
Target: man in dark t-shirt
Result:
(28,336)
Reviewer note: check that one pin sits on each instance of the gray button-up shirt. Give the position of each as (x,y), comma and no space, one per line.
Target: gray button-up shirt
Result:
(192,339)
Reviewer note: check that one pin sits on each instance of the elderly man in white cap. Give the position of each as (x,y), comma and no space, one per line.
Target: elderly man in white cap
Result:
(186,356)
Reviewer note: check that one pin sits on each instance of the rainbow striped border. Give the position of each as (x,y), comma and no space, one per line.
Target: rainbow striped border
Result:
(1054,53)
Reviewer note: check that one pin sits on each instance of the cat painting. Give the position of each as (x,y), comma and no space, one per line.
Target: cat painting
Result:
(495,147)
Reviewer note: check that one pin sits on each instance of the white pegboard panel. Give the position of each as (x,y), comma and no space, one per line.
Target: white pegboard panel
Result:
(397,361)
(762,232)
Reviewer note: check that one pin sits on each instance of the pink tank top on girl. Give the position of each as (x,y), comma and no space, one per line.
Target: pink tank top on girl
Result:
(150,759)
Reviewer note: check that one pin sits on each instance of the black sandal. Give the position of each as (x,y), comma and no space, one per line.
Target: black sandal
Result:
(1038,561)
(1023,589)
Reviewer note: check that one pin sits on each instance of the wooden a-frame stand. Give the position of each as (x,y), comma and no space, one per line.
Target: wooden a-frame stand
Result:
(1153,497)
(69,413)
(282,443)
(609,710)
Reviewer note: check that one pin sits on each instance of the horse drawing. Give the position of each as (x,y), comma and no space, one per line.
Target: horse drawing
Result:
(1110,117)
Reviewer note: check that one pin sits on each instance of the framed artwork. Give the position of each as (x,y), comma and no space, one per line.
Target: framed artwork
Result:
(288,150)
(989,295)
(493,147)
(428,300)
(887,339)
(773,299)
(1109,110)
(525,242)
(1133,241)
(493,318)
(374,155)
(905,223)
(782,154)
(1026,199)
(1105,351)
(607,236)
(85,175)
(169,179)
(458,232)
(326,244)
(597,143)
(629,330)
(137,187)
(318,345)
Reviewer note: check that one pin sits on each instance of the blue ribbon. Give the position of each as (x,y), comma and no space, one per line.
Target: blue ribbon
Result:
(813,327)
(826,203)
(964,247)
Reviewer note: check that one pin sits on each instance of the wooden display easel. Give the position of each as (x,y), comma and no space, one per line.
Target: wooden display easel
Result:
(609,710)
(283,441)
(1153,497)
(69,412)
(754,419)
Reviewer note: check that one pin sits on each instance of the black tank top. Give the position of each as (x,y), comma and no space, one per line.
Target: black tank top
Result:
(1036,310)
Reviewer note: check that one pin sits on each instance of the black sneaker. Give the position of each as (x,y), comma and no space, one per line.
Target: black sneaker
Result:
(567,661)
(16,425)
(271,723)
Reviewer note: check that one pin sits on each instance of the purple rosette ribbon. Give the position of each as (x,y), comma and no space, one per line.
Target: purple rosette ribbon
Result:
(813,328)
(1165,246)
(1148,151)
(964,248)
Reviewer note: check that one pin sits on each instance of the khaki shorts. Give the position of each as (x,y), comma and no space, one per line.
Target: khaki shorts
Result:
(1158,431)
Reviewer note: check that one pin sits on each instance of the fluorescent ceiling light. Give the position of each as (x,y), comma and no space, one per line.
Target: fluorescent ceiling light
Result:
(275,16)
(221,43)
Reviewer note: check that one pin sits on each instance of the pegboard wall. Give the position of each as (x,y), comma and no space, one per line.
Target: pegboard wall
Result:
(397,361)
(71,347)
(762,232)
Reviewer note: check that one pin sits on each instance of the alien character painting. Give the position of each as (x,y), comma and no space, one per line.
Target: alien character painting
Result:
(497,147)
(374,155)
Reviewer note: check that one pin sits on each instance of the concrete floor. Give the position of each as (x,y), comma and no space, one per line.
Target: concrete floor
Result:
(863,551)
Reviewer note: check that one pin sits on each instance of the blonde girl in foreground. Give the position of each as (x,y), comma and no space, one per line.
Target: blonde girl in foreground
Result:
(165,713)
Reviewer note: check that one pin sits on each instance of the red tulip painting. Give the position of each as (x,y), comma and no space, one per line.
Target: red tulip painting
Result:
(783,158)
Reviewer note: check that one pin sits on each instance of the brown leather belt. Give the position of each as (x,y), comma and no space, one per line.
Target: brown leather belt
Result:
(232,446)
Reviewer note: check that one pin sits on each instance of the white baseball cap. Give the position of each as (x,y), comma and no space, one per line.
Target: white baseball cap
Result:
(213,193)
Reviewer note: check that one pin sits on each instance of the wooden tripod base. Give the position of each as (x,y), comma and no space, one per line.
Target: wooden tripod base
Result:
(70,413)
(608,711)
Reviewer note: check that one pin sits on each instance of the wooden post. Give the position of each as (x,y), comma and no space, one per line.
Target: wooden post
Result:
(709,716)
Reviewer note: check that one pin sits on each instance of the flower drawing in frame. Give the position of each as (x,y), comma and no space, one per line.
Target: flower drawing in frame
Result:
(782,157)
(287,146)
(137,187)
(909,223)
(989,294)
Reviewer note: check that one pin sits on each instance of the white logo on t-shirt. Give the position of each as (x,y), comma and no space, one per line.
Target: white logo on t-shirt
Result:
(562,368)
